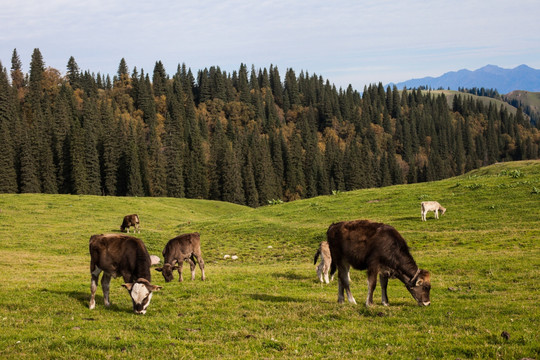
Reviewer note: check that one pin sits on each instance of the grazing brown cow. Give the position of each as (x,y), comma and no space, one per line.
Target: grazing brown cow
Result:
(182,248)
(379,249)
(130,220)
(126,256)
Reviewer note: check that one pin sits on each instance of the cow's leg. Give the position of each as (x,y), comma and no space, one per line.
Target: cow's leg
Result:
(180,267)
(105,284)
(372,283)
(325,270)
(200,260)
(436,214)
(320,272)
(384,285)
(192,266)
(93,286)
(343,275)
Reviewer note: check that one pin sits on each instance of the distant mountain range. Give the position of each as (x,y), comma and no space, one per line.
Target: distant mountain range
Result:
(522,77)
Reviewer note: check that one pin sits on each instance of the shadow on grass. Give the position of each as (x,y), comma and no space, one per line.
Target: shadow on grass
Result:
(289,275)
(409,218)
(83,298)
(275,298)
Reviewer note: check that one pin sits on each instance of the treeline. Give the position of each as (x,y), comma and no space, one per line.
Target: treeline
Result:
(247,137)
(533,114)
(492,93)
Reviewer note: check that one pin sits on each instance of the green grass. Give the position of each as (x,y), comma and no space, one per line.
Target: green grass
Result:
(484,256)
(527,98)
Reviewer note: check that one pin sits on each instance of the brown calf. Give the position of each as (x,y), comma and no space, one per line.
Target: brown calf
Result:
(186,247)
(130,220)
(379,249)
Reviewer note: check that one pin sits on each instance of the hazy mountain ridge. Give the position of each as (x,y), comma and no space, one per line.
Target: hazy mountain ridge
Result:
(521,77)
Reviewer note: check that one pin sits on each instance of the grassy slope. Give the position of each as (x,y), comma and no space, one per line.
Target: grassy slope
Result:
(527,98)
(484,256)
(485,100)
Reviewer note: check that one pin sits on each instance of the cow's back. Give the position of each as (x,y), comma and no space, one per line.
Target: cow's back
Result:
(182,244)
(119,254)
(362,241)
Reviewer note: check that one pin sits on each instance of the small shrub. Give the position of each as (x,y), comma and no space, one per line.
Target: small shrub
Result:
(336,192)
(535,190)
(515,174)
(422,197)
(275,202)
(474,186)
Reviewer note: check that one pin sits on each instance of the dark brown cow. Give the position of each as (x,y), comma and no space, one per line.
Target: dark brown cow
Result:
(379,249)
(131,220)
(182,248)
(126,256)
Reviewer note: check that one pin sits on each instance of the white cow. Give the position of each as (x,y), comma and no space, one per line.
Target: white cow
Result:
(432,206)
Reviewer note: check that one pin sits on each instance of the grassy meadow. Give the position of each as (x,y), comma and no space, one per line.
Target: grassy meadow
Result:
(483,254)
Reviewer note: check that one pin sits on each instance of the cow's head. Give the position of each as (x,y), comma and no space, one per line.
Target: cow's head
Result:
(167,271)
(141,294)
(443,210)
(419,287)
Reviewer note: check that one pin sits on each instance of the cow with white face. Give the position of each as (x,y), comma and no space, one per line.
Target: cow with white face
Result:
(126,256)
(141,294)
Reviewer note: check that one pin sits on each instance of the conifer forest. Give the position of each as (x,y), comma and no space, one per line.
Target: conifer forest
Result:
(249,137)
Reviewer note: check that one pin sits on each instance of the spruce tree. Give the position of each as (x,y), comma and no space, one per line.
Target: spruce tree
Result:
(250,190)
(8,175)
(73,73)
(232,186)
(29,181)
(17,76)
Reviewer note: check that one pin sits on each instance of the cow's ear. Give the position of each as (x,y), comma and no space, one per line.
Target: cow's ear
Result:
(159,269)
(419,282)
(128,286)
(156,287)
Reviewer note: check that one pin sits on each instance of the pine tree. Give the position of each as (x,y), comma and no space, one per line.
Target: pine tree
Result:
(243,85)
(8,176)
(37,69)
(135,178)
(29,181)
(250,190)
(79,175)
(110,151)
(294,170)
(159,79)
(233,186)
(73,73)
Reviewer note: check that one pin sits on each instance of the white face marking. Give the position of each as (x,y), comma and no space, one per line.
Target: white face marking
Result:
(139,293)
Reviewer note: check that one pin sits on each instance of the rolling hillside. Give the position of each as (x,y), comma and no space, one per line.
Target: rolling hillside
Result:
(449,94)
(483,255)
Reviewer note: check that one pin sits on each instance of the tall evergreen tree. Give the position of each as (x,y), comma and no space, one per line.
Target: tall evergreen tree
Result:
(8,175)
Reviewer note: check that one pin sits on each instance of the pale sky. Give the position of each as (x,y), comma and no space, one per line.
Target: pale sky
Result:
(354,42)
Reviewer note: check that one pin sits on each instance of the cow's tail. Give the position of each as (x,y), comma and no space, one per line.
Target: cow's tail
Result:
(316,256)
